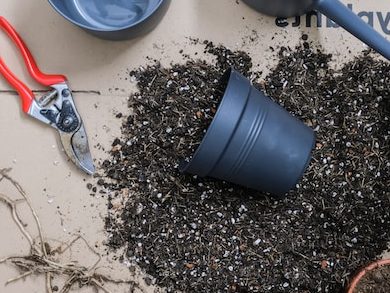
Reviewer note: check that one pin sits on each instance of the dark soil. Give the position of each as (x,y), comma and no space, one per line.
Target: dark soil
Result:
(376,281)
(203,235)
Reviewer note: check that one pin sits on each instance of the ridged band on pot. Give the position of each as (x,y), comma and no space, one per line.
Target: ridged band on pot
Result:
(146,18)
(252,141)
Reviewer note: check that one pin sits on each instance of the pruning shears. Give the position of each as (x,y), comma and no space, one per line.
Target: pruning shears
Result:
(55,108)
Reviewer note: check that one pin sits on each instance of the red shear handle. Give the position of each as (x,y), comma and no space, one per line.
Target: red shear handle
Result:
(24,92)
(44,79)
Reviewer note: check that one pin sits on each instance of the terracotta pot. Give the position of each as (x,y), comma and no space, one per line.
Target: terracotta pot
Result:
(357,278)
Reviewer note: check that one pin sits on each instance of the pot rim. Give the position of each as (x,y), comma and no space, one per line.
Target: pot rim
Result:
(210,141)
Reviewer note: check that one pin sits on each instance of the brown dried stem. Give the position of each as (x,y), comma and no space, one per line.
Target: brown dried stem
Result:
(40,261)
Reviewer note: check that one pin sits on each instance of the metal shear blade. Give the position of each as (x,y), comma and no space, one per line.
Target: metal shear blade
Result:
(77,148)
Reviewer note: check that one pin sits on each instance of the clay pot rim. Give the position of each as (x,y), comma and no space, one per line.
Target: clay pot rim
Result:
(357,278)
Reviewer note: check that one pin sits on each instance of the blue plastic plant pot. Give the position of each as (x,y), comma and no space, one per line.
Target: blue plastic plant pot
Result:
(252,141)
(113,20)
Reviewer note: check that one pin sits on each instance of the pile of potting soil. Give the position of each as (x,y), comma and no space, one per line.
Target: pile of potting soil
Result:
(203,235)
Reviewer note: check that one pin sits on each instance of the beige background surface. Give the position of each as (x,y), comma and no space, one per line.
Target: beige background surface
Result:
(57,189)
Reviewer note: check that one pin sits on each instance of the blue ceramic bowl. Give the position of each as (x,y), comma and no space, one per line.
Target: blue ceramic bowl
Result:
(113,19)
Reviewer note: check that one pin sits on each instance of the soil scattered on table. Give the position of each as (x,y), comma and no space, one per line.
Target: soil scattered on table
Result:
(203,235)
(375,281)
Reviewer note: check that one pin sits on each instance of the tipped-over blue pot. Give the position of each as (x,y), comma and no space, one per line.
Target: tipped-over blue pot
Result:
(252,141)
(333,9)
(113,19)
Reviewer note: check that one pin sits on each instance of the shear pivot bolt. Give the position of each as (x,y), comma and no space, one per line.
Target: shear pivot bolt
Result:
(66,93)
(68,121)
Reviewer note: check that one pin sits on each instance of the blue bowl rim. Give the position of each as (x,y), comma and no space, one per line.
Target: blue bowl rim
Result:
(146,16)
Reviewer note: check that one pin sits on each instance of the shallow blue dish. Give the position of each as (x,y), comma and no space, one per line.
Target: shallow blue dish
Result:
(113,19)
